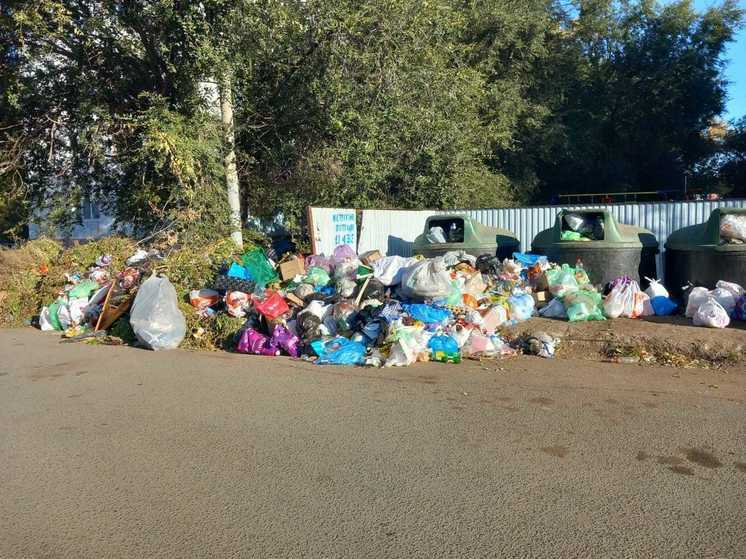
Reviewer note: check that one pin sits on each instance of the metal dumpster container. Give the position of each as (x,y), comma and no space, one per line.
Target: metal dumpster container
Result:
(460,232)
(699,255)
(610,250)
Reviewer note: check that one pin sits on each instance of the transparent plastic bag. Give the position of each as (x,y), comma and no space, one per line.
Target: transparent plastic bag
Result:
(733,227)
(582,305)
(553,309)
(427,279)
(155,316)
(389,269)
(711,314)
(521,306)
(697,297)
(561,280)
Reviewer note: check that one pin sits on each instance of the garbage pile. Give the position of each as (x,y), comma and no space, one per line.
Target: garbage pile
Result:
(370,309)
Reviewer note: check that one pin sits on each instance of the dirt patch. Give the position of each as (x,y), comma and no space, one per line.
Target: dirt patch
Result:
(682,470)
(702,457)
(669,341)
(741,466)
(556,451)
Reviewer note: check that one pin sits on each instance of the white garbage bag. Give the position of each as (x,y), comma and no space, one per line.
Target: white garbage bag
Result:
(656,289)
(388,270)
(155,316)
(711,314)
(428,279)
(697,296)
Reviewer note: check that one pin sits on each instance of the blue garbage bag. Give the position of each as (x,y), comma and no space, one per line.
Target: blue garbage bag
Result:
(427,313)
(528,259)
(339,351)
(238,271)
(663,306)
(444,349)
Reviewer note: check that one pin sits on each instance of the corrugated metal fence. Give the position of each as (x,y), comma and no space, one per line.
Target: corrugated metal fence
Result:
(394,231)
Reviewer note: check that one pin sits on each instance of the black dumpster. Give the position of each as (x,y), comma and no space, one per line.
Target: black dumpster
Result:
(700,255)
(606,248)
(446,233)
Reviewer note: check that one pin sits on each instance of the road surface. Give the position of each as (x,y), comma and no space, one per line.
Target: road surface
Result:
(118,452)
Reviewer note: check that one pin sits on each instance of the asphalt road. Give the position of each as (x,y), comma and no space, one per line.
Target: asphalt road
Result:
(117,452)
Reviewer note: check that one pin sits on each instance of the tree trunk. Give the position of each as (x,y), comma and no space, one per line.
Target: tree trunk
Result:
(229,160)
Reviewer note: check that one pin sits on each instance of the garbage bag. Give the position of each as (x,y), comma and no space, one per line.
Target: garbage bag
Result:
(237,302)
(389,269)
(726,298)
(84,289)
(478,345)
(340,351)
(436,235)
(697,297)
(317,276)
(711,314)
(410,345)
(733,227)
(343,252)
(656,289)
(428,313)
(553,309)
(54,315)
(427,279)
(45,321)
(663,306)
(203,298)
(444,349)
(155,316)
(561,280)
(319,261)
(488,264)
(734,288)
(254,342)
(625,299)
(237,271)
(272,306)
(528,259)
(460,333)
(261,270)
(282,337)
(455,257)
(475,285)
(572,236)
(495,317)
(521,306)
(583,304)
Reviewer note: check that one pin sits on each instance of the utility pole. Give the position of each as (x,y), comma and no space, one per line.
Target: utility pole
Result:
(229,159)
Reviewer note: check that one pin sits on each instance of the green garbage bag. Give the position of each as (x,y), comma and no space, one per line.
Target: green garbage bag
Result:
(316,276)
(572,236)
(583,304)
(83,290)
(54,319)
(258,265)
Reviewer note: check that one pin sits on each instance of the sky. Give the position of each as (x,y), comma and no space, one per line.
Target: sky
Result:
(735,71)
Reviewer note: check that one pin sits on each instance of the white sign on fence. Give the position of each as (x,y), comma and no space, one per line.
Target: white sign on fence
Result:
(331,227)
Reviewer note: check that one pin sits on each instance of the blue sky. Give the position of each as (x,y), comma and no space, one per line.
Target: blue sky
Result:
(736,69)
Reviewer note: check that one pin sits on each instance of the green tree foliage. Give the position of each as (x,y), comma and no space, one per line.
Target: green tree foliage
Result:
(393,103)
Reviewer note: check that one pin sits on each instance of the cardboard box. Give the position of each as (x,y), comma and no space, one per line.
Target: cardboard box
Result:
(293,299)
(291,268)
(371,256)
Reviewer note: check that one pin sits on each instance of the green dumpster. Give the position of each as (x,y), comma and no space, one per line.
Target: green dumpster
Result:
(700,255)
(446,233)
(606,248)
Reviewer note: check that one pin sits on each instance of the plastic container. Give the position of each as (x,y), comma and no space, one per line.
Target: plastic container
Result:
(698,255)
(463,233)
(609,249)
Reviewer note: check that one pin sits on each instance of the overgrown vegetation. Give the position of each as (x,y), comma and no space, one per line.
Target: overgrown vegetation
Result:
(406,104)
(34,275)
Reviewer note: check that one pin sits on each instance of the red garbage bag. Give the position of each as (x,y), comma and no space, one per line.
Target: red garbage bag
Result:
(272,306)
